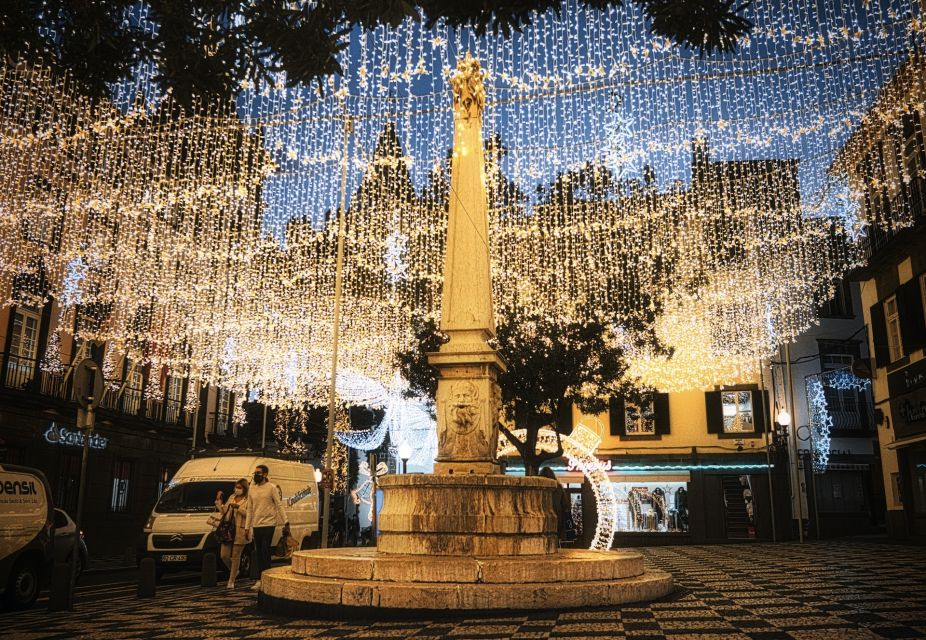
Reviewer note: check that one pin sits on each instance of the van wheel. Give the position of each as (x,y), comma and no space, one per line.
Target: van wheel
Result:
(24,585)
(244,567)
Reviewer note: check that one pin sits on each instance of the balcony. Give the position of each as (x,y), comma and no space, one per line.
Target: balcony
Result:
(907,210)
(21,374)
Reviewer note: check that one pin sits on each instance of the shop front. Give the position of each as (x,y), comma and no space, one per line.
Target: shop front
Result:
(681,500)
(126,471)
(907,388)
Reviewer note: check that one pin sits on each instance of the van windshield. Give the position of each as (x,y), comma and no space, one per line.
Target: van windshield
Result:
(194,496)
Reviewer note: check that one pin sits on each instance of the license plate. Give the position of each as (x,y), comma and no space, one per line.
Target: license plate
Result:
(173,558)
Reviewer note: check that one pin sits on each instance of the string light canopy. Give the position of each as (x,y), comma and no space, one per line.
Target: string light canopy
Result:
(627,178)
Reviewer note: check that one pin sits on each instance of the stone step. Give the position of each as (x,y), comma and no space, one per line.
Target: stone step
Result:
(282,591)
(569,565)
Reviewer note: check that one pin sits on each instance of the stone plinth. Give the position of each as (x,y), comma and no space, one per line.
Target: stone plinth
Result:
(350,582)
(464,515)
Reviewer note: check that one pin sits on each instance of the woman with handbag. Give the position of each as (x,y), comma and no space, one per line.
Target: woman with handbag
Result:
(231,532)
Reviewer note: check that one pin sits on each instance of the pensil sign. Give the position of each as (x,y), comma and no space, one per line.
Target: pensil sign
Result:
(63,436)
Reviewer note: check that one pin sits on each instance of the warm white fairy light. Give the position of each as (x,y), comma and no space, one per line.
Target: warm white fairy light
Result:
(202,243)
(579,449)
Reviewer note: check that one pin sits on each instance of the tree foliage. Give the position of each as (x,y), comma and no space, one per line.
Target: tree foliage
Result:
(207,49)
(552,366)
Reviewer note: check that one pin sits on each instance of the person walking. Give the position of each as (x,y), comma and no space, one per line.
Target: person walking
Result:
(265,513)
(561,503)
(235,510)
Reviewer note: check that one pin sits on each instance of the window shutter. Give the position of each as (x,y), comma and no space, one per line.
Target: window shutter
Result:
(564,417)
(912,329)
(879,335)
(661,409)
(714,409)
(759,411)
(617,419)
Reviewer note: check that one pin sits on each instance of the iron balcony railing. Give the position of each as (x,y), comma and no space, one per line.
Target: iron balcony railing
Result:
(19,371)
(25,374)
(906,210)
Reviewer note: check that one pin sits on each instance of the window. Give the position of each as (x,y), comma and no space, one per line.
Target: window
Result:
(173,399)
(122,475)
(923,292)
(892,319)
(651,505)
(848,408)
(737,411)
(840,305)
(132,391)
(66,486)
(640,421)
(222,410)
(24,340)
(914,151)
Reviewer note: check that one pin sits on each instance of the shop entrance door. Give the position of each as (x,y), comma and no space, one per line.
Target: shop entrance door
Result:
(738,520)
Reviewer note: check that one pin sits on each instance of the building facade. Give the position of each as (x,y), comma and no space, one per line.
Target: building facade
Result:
(144,429)
(885,162)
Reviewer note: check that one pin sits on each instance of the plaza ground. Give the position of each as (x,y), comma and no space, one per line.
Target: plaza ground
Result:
(760,591)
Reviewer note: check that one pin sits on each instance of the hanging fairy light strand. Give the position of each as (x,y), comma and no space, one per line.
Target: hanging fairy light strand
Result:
(626,178)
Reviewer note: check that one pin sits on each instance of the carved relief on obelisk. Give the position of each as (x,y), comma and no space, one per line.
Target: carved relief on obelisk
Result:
(467,392)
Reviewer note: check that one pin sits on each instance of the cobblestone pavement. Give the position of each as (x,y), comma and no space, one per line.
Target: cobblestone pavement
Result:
(758,591)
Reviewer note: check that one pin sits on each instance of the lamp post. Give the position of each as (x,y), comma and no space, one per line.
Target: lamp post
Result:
(405,452)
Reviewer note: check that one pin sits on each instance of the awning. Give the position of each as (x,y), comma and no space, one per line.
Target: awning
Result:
(903,442)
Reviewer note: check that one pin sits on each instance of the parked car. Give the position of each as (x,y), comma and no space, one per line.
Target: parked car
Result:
(65,529)
(178,532)
(27,535)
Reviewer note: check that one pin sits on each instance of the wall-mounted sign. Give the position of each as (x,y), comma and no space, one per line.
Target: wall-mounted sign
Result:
(910,378)
(60,435)
(908,399)
(603,465)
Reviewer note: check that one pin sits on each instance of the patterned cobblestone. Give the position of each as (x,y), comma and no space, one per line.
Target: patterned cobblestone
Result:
(835,590)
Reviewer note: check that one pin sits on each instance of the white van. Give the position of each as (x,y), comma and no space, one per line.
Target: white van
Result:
(178,531)
(27,534)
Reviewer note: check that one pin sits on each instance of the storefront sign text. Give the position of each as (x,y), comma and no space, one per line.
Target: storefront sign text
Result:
(602,465)
(60,435)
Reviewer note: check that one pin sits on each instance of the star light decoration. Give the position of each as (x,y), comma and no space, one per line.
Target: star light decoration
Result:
(623,175)
(821,420)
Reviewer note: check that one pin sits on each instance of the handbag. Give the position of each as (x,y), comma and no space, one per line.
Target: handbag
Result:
(225,531)
(286,545)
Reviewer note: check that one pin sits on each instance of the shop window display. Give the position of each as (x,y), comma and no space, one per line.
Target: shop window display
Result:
(660,507)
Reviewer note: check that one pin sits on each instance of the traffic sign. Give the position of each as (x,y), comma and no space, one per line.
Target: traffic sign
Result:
(88,384)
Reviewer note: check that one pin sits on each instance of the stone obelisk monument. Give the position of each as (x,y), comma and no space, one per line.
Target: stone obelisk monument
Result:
(465,537)
(467,393)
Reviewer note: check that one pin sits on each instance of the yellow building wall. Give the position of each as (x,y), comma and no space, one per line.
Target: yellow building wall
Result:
(687,429)
(886,435)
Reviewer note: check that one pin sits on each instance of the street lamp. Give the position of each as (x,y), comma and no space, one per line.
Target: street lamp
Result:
(405,452)
(318,476)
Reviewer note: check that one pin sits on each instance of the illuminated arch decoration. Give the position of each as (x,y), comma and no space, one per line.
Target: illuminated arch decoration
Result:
(579,449)
(405,420)
(821,421)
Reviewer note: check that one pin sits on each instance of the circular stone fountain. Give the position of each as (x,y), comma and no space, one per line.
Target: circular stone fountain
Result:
(459,542)
(465,538)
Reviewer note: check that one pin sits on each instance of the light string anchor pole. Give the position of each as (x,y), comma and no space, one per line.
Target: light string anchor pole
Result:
(768,458)
(796,480)
(335,337)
